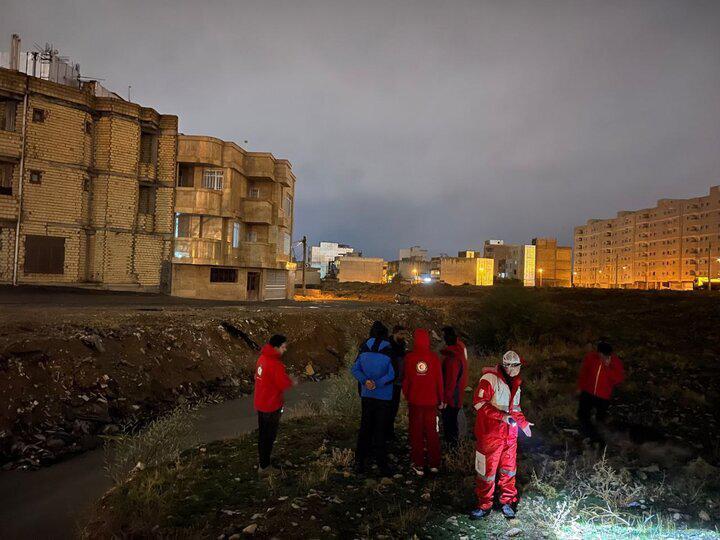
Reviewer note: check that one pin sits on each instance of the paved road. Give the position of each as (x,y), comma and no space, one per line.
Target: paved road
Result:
(48,503)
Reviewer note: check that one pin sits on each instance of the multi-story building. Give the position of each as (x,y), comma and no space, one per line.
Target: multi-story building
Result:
(553,263)
(233,222)
(466,271)
(414,252)
(512,261)
(499,251)
(86,184)
(323,255)
(673,245)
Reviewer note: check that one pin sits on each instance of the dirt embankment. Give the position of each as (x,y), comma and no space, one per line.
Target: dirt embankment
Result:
(70,379)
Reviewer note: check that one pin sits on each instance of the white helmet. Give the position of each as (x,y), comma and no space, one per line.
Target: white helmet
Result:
(511,359)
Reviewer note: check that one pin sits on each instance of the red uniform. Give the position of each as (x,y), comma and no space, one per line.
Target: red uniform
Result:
(496,440)
(598,379)
(455,373)
(423,389)
(271,380)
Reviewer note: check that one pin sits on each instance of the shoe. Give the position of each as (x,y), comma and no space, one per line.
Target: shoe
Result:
(508,511)
(479,513)
(418,470)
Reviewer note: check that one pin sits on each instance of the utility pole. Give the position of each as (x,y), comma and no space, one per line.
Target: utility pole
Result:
(304,243)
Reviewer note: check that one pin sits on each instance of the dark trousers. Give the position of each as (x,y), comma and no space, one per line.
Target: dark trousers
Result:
(372,434)
(392,415)
(268,423)
(450,424)
(586,405)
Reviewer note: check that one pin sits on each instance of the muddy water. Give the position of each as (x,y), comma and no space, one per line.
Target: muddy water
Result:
(48,503)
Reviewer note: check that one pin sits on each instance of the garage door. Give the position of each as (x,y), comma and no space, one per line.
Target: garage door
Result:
(275,284)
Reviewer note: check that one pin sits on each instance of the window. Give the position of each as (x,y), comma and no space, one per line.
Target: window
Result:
(44,255)
(146,200)
(254,193)
(38,115)
(6,174)
(287,205)
(251,236)
(223,275)
(286,243)
(185,178)
(35,177)
(236,235)
(8,110)
(148,148)
(213,179)
(182,226)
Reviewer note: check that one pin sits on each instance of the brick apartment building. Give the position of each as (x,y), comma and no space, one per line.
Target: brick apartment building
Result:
(87,180)
(553,263)
(673,245)
(233,222)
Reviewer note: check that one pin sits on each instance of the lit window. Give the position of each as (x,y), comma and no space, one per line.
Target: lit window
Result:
(213,179)
(236,235)
(182,226)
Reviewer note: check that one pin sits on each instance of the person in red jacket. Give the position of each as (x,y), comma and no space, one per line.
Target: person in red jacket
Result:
(423,389)
(497,402)
(271,381)
(600,373)
(455,374)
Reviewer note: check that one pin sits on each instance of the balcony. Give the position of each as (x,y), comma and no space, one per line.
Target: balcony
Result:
(259,166)
(8,208)
(147,170)
(256,211)
(10,143)
(198,201)
(255,254)
(283,174)
(197,251)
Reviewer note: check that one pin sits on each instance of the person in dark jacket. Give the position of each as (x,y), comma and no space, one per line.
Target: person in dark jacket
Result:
(398,345)
(601,371)
(455,375)
(373,370)
(271,381)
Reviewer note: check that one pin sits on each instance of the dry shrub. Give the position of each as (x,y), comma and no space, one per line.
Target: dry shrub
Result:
(160,441)
(461,459)
(341,397)
(303,409)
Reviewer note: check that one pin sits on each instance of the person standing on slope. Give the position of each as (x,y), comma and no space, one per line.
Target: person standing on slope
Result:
(271,381)
(499,416)
(374,373)
(600,373)
(455,374)
(423,389)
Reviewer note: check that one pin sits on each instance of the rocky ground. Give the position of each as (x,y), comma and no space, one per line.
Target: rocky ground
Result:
(69,377)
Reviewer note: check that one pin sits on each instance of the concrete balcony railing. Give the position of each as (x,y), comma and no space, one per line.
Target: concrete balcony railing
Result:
(198,201)
(256,211)
(8,208)
(147,170)
(10,143)
(284,220)
(283,174)
(198,251)
(259,166)
(255,254)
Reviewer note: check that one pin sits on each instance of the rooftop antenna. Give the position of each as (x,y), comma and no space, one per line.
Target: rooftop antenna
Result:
(129,87)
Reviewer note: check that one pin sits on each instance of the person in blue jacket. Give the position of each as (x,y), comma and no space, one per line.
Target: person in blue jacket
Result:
(373,370)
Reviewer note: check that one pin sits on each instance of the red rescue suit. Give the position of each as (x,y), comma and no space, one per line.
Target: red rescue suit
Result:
(271,380)
(423,389)
(496,440)
(598,379)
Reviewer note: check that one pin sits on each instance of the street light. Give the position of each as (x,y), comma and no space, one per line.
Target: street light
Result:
(540,271)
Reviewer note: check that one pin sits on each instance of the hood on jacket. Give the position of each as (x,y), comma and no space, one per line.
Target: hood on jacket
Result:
(421,340)
(270,352)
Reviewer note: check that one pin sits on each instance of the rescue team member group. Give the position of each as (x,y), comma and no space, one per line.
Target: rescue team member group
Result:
(431,383)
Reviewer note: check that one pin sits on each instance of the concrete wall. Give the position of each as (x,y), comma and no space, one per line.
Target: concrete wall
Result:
(361,269)
(462,271)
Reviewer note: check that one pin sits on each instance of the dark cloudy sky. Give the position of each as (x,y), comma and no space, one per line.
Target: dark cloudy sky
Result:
(434,123)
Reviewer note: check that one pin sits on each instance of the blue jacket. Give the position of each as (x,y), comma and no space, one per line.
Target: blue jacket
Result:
(373,363)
